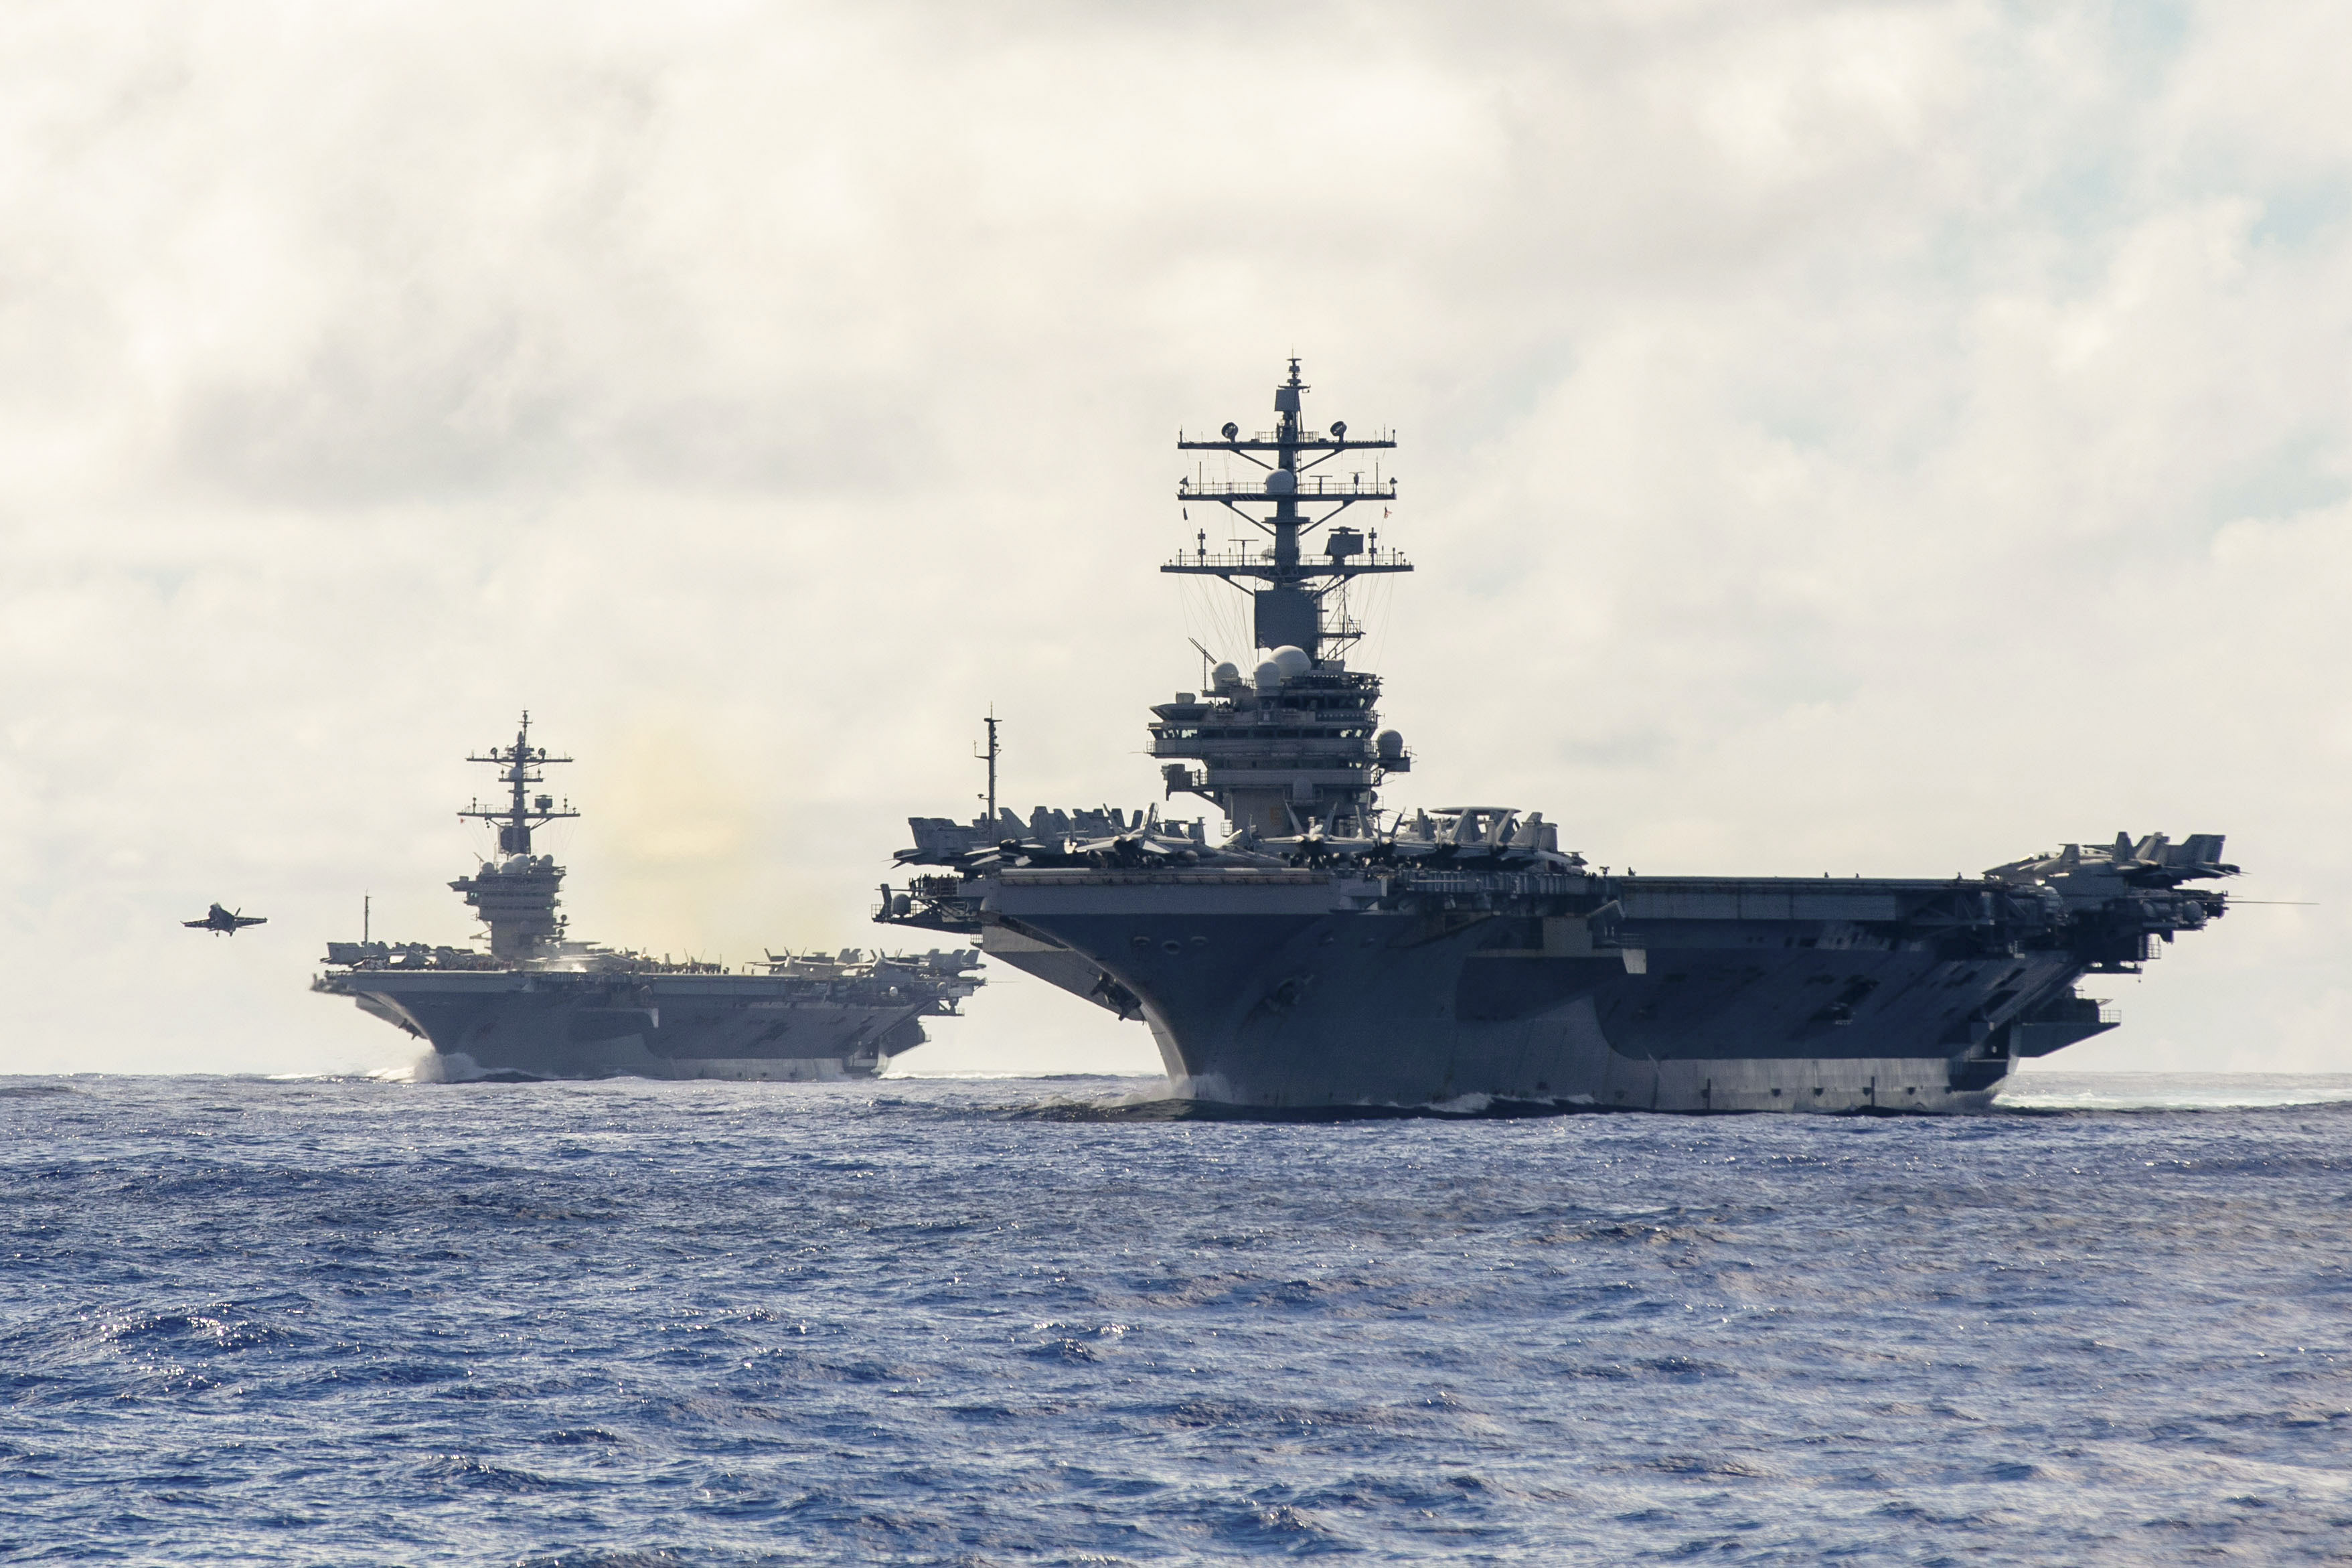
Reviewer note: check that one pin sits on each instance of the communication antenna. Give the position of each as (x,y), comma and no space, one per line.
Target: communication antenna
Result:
(524,811)
(991,755)
(367,901)
(1296,600)
(1207,658)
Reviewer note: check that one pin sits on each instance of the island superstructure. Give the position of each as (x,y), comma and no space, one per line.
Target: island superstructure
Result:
(1323,951)
(538,1005)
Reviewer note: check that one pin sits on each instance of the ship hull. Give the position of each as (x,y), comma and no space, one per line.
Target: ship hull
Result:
(1287,993)
(563,1025)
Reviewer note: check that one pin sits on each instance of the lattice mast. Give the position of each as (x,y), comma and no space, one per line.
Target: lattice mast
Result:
(1289,607)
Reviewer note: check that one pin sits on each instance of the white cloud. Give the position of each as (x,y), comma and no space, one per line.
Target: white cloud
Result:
(1837,438)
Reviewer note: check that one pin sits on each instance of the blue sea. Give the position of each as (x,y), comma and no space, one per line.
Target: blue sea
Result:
(916,1321)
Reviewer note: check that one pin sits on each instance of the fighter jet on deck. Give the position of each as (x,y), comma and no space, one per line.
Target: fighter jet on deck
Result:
(225,922)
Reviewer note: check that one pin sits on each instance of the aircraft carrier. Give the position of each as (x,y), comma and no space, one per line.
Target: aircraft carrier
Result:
(538,1006)
(1321,951)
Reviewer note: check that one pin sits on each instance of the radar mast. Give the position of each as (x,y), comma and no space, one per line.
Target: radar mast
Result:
(514,893)
(1289,607)
(1293,747)
(522,813)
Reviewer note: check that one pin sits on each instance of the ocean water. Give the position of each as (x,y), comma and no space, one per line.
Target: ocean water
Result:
(1031,1321)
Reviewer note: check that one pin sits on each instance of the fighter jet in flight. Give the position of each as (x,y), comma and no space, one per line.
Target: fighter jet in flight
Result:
(225,922)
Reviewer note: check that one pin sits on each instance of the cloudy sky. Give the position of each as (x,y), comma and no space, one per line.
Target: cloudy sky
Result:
(1874,437)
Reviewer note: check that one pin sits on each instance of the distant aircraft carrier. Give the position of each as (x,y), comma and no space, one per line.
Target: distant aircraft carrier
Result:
(536,1006)
(1327,952)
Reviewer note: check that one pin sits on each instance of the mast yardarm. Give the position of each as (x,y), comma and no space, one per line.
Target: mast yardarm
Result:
(1290,606)
(522,813)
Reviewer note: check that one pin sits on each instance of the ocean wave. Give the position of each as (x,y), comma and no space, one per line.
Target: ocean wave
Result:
(2173,1091)
(926,1321)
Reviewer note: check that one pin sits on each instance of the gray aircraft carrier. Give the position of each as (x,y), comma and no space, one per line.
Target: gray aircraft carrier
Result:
(536,1006)
(1324,951)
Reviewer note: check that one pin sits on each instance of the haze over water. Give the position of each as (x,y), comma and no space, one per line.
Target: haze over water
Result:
(933,1321)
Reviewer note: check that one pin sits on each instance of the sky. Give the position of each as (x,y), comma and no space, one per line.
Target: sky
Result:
(1890,439)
